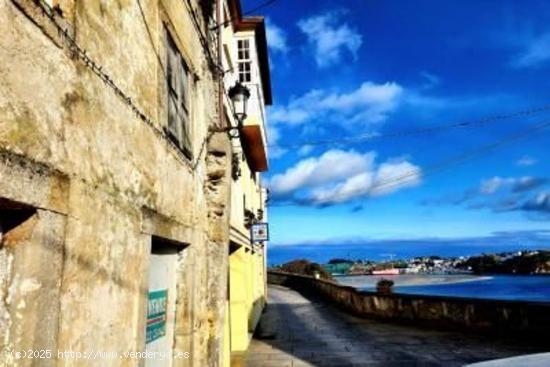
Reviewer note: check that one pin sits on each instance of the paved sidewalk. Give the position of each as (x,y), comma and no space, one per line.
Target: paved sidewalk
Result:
(295,332)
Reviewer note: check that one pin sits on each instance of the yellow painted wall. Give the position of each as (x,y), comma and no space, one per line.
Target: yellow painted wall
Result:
(239,300)
(226,338)
(246,293)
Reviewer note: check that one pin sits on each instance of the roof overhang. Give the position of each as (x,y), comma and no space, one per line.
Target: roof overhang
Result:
(254,148)
(256,24)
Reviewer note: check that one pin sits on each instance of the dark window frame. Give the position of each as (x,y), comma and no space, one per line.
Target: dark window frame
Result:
(178,88)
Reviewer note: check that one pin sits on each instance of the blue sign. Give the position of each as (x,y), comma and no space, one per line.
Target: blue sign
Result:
(156,315)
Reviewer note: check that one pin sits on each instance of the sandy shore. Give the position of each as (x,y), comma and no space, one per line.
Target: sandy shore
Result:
(368,281)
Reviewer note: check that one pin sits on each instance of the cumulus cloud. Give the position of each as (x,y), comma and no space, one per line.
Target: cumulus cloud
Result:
(540,203)
(273,136)
(369,103)
(528,183)
(516,184)
(305,150)
(526,161)
(537,206)
(339,176)
(332,165)
(535,52)
(330,38)
(276,37)
(502,194)
(430,80)
(492,185)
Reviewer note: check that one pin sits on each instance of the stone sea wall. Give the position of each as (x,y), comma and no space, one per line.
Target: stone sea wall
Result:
(528,319)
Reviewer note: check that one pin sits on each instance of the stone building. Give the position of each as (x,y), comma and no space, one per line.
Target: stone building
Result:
(115,183)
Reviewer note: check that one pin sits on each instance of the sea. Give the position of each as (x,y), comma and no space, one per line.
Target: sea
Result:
(535,288)
(507,287)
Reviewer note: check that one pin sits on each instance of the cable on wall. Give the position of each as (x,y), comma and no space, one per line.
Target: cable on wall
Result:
(100,72)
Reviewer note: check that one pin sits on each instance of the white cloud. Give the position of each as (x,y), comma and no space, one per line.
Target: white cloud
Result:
(273,136)
(526,161)
(492,185)
(329,38)
(332,165)
(517,184)
(430,80)
(339,176)
(394,175)
(355,186)
(369,103)
(536,51)
(276,37)
(305,150)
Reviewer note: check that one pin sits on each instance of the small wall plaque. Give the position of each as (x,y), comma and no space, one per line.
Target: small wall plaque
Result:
(260,232)
(156,315)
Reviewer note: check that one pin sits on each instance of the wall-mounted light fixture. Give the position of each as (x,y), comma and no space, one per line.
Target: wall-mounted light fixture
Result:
(239,95)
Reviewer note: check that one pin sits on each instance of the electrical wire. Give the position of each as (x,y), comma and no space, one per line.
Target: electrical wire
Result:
(436,128)
(265,4)
(259,7)
(454,161)
(203,39)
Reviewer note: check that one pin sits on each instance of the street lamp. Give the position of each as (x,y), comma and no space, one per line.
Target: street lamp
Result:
(239,95)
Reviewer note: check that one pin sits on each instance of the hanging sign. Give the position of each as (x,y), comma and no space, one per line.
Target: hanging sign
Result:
(260,232)
(156,315)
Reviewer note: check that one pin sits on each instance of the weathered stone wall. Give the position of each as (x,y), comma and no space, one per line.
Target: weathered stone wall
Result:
(528,319)
(104,180)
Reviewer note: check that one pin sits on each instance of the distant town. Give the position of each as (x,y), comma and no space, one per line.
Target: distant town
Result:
(517,262)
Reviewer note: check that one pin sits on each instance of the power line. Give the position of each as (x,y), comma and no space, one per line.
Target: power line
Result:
(260,6)
(455,125)
(265,4)
(454,161)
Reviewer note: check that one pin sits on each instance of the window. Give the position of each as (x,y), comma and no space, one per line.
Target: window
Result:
(244,72)
(177,85)
(243,53)
(243,47)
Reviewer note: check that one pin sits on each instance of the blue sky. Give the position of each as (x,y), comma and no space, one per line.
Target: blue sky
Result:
(370,68)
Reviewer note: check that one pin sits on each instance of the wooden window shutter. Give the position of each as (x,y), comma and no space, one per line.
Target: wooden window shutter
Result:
(172,71)
(178,94)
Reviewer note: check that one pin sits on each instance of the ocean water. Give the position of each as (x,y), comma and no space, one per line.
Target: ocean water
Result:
(503,287)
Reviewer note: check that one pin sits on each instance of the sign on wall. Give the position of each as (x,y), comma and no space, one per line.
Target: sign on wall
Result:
(260,232)
(156,315)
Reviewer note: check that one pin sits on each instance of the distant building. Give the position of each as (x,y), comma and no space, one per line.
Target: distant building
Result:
(338,268)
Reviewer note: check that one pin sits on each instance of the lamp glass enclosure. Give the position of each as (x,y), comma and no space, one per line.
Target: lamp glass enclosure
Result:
(239,95)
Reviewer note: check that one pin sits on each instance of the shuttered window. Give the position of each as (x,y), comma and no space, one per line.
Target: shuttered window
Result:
(178,90)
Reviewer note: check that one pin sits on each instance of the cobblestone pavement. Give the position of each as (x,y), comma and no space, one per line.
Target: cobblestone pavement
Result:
(295,332)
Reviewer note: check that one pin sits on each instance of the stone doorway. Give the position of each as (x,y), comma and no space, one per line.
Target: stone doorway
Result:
(161,303)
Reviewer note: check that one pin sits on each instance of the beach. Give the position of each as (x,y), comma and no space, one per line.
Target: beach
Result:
(369,281)
(505,287)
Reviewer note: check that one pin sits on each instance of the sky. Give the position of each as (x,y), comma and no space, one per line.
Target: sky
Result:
(378,89)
